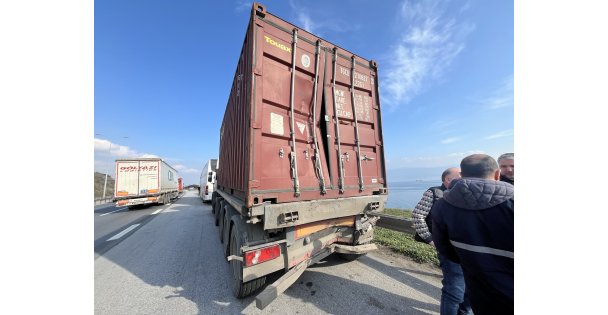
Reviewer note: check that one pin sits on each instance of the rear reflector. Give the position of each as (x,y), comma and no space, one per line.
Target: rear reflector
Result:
(255,257)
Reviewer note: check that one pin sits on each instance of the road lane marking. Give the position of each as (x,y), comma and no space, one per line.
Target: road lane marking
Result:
(121,234)
(157,211)
(113,211)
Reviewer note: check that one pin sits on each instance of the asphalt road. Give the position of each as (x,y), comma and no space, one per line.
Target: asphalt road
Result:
(172,264)
(114,224)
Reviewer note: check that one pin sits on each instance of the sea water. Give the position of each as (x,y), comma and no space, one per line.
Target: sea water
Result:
(406,194)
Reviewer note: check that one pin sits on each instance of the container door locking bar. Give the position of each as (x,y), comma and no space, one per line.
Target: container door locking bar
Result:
(318,165)
(294,161)
(352,96)
(340,159)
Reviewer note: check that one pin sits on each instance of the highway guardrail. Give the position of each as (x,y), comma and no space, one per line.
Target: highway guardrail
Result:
(396,223)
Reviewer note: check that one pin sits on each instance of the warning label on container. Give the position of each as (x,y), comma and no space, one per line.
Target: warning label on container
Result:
(301,127)
(276,124)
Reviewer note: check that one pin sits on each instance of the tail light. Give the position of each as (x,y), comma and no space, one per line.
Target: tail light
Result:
(206,190)
(261,255)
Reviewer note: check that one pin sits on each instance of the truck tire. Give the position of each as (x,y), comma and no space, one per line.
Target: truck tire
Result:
(240,289)
(215,205)
(222,223)
(217,212)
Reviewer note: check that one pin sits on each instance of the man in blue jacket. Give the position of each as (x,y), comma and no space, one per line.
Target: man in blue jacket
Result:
(473,225)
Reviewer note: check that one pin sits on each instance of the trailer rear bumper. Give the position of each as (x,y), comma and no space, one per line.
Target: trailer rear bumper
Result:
(137,201)
(278,287)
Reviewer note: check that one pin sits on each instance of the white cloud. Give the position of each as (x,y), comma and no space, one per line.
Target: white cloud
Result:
(146,155)
(445,160)
(184,169)
(307,23)
(463,154)
(107,148)
(242,5)
(303,19)
(450,140)
(106,152)
(501,134)
(501,97)
(443,125)
(428,46)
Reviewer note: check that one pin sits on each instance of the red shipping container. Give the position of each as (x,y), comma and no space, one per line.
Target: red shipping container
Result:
(302,121)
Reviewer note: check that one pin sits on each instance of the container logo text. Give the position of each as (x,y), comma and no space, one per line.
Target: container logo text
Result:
(278,45)
(135,168)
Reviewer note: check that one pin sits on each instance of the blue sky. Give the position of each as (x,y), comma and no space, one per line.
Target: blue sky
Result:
(163,71)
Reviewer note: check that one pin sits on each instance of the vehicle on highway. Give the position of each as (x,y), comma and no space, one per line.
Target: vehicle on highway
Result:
(144,181)
(302,156)
(207,180)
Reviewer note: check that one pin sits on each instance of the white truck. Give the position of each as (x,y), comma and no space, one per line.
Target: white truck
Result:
(207,180)
(144,181)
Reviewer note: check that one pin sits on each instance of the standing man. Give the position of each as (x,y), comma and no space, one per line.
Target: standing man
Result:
(506,164)
(453,300)
(473,224)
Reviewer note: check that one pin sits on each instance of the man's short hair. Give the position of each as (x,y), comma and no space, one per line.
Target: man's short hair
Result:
(445,174)
(478,165)
(506,156)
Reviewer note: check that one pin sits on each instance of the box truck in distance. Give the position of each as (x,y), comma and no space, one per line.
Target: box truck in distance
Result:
(144,181)
(207,180)
(302,156)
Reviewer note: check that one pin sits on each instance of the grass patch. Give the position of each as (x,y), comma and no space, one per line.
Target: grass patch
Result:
(405,244)
(406,213)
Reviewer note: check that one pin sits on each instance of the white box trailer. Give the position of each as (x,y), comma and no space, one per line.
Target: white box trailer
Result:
(143,181)
(207,180)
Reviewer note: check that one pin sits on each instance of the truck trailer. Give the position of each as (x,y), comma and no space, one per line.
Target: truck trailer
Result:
(302,157)
(144,181)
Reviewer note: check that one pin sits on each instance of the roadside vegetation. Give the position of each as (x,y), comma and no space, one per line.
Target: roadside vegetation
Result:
(98,185)
(404,243)
(406,213)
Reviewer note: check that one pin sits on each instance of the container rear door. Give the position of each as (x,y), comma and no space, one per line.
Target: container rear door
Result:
(362,162)
(127,177)
(149,180)
(273,149)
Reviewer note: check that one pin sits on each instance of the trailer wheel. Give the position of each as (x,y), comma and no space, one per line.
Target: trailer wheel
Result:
(240,289)
(214,206)
(221,223)
(217,211)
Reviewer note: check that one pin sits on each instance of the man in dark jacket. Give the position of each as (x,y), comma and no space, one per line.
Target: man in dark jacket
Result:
(453,298)
(473,225)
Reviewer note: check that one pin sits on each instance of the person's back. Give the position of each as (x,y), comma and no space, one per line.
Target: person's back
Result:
(473,224)
(453,297)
